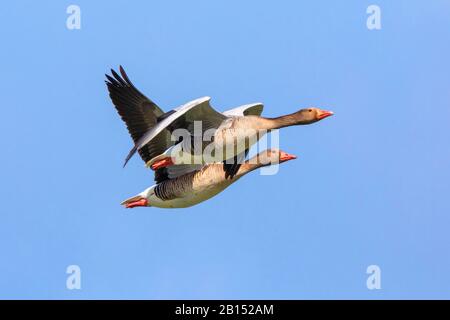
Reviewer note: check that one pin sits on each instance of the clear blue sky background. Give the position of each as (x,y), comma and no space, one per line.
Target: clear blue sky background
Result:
(371,185)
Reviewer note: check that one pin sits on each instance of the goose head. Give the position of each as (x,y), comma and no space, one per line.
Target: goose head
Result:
(311,115)
(301,117)
(273,156)
(141,200)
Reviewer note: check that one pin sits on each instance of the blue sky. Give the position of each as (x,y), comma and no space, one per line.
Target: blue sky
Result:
(370,186)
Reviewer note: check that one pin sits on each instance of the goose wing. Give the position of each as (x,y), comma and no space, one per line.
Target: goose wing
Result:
(173,172)
(231,166)
(182,117)
(139,113)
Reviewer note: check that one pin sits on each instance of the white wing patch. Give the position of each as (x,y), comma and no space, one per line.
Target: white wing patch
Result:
(252,109)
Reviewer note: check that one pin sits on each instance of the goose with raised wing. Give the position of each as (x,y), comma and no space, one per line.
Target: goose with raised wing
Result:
(233,131)
(199,185)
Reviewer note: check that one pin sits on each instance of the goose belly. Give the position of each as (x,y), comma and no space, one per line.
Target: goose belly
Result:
(189,199)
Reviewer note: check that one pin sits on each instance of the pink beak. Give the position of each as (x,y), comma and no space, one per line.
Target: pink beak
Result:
(324,114)
(166,162)
(286,156)
(138,203)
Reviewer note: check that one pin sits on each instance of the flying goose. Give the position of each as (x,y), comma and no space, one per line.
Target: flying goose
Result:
(233,134)
(234,130)
(199,185)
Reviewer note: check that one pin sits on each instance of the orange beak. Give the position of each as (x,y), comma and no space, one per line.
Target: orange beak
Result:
(162,163)
(142,202)
(286,156)
(322,114)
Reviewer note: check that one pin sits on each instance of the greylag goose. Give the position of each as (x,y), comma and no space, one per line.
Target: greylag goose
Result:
(235,130)
(199,185)
(233,137)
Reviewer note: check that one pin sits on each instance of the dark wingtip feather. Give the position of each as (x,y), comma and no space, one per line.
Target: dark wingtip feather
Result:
(130,154)
(125,76)
(118,78)
(112,80)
